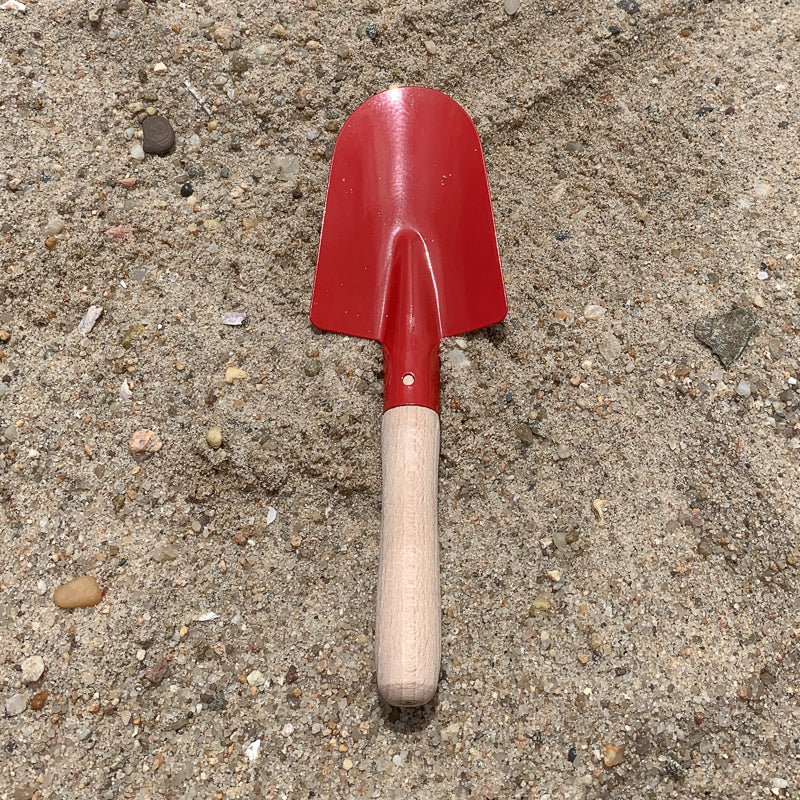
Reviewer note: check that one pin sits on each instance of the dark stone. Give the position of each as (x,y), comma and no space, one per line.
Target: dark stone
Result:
(159,138)
(701,112)
(187,190)
(726,334)
(629,6)
(157,671)
(572,754)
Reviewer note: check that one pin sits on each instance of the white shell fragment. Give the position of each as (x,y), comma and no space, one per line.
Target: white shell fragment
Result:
(13,5)
(89,318)
(125,392)
(251,751)
(234,317)
(272,515)
(208,616)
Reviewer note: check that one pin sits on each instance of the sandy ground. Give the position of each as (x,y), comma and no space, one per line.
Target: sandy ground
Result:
(618,510)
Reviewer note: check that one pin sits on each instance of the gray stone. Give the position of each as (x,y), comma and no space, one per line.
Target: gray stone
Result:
(16,704)
(457,358)
(726,334)
(286,167)
(609,347)
(54,226)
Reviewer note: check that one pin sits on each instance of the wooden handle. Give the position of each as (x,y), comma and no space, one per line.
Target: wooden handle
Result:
(408,624)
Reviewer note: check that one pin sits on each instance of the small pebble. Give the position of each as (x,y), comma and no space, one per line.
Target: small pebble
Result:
(239,63)
(726,333)
(144,441)
(82,592)
(39,699)
(457,358)
(53,227)
(89,319)
(256,678)
(32,669)
(511,6)
(132,334)
(743,390)
(525,434)
(137,152)
(613,754)
(609,347)
(234,318)
(312,367)
(286,167)
(214,438)
(158,135)
(540,604)
(16,704)
(157,672)
(187,190)
(234,374)
(593,312)
(119,232)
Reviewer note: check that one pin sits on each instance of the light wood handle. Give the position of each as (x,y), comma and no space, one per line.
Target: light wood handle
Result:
(408,623)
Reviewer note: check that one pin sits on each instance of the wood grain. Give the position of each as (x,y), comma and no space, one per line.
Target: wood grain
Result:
(408,624)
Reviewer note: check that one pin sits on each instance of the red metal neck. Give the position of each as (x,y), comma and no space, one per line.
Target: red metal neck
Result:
(411,327)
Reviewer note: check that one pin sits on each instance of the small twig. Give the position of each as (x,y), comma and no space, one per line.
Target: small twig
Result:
(198,97)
